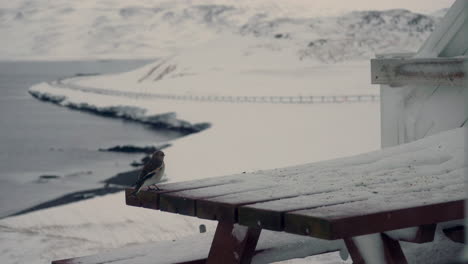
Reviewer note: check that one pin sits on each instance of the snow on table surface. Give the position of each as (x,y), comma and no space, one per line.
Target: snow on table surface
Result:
(426,171)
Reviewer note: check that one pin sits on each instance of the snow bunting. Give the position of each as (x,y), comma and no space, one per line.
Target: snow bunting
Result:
(151,173)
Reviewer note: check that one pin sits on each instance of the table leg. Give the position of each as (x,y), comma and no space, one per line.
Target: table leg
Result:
(424,234)
(233,244)
(392,252)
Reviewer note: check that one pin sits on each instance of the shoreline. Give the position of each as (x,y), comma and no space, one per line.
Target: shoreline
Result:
(67,169)
(134,114)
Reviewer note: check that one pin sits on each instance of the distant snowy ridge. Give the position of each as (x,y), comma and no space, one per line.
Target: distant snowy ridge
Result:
(353,36)
(67,30)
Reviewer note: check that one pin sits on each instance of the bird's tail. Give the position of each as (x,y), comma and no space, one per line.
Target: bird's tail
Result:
(140,182)
(138,185)
(134,193)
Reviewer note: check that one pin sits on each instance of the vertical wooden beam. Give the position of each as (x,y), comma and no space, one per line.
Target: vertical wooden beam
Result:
(353,251)
(391,250)
(233,244)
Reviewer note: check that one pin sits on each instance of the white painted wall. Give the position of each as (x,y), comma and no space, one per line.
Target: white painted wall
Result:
(412,112)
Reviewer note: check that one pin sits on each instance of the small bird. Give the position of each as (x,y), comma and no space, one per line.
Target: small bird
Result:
(151,173)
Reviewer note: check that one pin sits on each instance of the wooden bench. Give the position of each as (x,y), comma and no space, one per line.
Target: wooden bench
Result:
(354,199)
(417,185)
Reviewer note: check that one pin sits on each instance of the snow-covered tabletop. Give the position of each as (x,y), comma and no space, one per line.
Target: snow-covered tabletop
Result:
(409,185)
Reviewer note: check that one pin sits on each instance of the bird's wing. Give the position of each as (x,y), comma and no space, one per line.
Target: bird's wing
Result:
(149,167)
(142,180)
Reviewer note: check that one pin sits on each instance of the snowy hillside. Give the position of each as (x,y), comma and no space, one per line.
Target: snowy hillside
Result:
(117,29)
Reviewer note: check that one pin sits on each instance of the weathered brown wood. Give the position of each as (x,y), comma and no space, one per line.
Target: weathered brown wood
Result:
(270,215)
(233,244)
(392,251)
(257,187)
(210,210)
(146,199)
(418,71)
(353,251)
(456,234)
(184,202)
(225,207)
(424,234)
(176,204)
(150,198)
(201,183)
(340,221)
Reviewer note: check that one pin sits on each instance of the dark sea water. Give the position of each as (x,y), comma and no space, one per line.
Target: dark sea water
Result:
(38,138)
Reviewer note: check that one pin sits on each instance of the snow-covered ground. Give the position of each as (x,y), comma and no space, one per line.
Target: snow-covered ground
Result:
(243,136)
(211,49)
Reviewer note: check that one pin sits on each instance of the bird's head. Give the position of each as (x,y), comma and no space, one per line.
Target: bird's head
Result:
(158,155)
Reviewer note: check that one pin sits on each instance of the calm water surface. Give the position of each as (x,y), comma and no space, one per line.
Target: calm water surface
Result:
(38,138)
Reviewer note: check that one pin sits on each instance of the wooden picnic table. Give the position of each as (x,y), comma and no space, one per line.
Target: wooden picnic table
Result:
(416,186)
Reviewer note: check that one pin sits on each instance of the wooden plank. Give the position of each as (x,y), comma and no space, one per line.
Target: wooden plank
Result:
(435,71)
(260,186)
(240,182)
(456,234)
(202,183)
(270,215)
(347,220)
(181,197)
(147,199)
(150,198)
(233,244)
(225,207)
(184,202)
